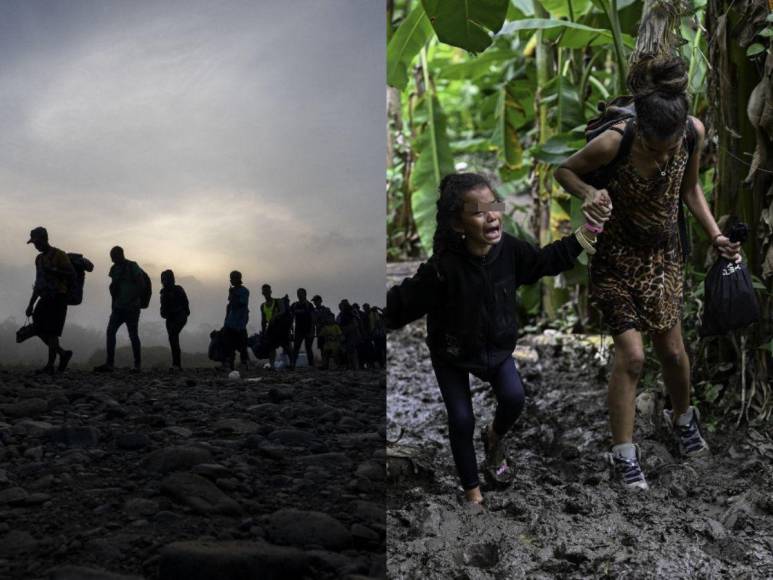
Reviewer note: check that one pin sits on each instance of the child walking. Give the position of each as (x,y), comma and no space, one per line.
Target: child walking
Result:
(467,290)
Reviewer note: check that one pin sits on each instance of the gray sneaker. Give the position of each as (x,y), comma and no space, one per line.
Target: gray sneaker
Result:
(688,437)
(627,471)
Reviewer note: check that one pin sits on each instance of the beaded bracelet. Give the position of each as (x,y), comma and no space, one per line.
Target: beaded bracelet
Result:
(584,242)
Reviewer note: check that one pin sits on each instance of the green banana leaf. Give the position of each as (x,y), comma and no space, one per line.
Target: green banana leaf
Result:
(435,160)
(467,24)
(409,38)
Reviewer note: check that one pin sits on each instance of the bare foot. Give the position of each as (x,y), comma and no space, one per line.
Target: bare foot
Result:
(473,495)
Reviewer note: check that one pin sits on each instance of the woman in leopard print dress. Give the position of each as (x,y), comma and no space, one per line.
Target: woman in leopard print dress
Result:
(636,276)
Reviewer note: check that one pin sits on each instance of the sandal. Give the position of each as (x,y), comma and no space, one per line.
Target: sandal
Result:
(497,468)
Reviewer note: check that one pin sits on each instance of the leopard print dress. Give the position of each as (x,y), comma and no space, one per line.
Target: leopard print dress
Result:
(636,275)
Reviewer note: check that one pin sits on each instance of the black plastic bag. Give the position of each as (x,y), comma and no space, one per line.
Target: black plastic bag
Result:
(259,345)
(26,332)
(730,301)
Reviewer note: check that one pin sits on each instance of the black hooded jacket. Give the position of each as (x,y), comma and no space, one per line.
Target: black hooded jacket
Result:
(470,300)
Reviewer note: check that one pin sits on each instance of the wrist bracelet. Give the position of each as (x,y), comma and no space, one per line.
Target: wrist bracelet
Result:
(591,228)
(587,246)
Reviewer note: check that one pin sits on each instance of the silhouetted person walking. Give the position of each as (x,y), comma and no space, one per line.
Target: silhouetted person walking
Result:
(175,309)
(127,287)
(54,275)
(320,317)
(377,331)
(350,326)
(236,317)
(273,324)
(303,318)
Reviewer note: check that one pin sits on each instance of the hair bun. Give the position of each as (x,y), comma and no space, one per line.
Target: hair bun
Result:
(665,75)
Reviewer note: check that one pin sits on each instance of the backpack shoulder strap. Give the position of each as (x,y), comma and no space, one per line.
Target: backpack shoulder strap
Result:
(691,137)
(625,143)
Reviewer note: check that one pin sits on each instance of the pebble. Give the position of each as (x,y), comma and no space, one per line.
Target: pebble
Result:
(74,437)
(84,573)
(304,528)
(200,494)
(234,560)
(13,495)
(25,408)
(176,458)
(132,441)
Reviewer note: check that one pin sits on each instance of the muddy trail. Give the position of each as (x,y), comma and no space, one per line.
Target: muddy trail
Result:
(562,518)
(192,476)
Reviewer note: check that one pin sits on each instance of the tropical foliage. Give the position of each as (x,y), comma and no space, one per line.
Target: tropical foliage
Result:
(505,89)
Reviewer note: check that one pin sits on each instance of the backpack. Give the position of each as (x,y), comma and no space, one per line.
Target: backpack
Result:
(147,290)
(613,112)
(216,350)
(81,265)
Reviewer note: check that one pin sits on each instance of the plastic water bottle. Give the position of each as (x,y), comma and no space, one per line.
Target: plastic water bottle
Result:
(301,360)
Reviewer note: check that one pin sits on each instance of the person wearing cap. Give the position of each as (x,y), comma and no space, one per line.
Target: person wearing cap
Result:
(54,274)
(126,288)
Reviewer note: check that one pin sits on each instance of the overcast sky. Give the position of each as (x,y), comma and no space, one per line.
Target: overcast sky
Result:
(201,136)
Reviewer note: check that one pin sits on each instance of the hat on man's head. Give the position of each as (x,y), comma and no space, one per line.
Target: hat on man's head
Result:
(38,233)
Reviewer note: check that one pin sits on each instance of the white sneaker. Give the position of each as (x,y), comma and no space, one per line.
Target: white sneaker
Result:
(627,470)
(688,437)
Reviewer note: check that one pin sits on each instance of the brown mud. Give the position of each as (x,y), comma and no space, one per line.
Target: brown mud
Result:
(192,475)
(563,517)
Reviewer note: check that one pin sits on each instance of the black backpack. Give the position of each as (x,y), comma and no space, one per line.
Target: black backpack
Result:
(217,347)
(81,265)
(147,290)
(616,111)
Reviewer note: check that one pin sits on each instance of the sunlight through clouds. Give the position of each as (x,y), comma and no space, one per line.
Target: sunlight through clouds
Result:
(200,136)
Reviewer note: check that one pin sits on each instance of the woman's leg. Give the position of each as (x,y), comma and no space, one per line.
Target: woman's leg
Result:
(455,387)
(669,347)
(621,395)
(684,419)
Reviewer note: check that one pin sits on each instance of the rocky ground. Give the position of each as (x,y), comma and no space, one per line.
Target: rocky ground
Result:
(562,518)
(192,476)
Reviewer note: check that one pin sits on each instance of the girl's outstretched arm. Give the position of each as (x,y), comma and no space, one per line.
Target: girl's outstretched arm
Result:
(532,263)
(411,299)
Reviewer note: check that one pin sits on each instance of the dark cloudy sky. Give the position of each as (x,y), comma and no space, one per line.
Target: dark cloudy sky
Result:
(202,136)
